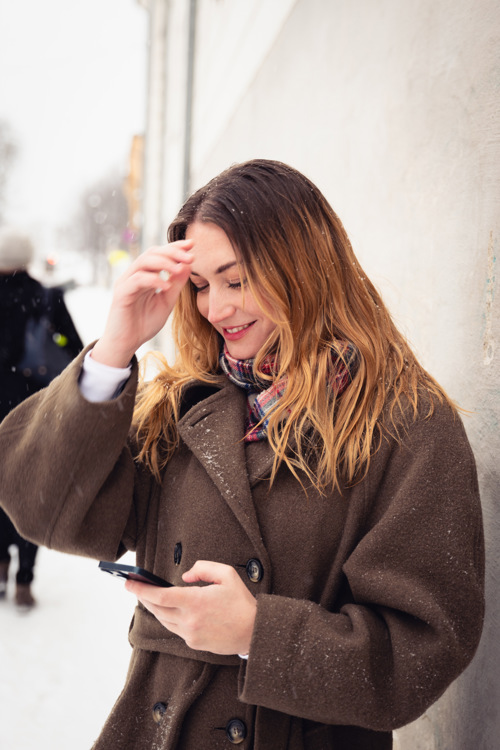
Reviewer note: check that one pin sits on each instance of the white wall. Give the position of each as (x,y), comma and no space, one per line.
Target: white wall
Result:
(233,40)
(392,108)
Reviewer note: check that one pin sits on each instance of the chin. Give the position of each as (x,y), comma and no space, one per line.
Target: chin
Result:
(242,351)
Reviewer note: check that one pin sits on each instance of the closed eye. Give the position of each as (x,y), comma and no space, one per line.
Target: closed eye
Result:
(198,289)
(231,284)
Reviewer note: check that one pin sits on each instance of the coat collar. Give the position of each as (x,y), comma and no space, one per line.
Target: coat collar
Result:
(213,429)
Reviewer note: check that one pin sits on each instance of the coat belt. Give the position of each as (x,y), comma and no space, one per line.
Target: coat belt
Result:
(148,634)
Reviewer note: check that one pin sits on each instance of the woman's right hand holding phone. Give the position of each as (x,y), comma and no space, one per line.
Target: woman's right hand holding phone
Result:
(143,298)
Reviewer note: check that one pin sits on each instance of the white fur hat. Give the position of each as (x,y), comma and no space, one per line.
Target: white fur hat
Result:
(16,250)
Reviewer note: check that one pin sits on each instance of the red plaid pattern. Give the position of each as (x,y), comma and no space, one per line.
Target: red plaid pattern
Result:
(262,397)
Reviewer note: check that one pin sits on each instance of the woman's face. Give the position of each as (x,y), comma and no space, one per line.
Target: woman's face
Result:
(232,310)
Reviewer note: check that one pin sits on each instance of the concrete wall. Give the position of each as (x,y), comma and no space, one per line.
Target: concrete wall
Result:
(392,108)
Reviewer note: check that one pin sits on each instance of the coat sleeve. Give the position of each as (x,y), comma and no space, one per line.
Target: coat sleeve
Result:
(67,476)
(414,614)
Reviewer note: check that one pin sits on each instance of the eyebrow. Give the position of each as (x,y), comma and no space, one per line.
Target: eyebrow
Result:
(220,269)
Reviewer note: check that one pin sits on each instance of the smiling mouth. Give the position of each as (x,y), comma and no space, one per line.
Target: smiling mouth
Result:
(237,329)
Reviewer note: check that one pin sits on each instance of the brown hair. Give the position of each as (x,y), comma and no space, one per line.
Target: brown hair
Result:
(296,256)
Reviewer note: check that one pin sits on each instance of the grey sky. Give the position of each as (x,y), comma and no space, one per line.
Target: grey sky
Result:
(72,87)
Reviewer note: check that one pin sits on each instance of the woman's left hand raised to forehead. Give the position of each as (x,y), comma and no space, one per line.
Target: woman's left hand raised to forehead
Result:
(219,617)
(143,298)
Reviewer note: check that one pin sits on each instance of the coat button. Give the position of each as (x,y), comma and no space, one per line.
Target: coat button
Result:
(159,710)
(236,731)
(254,569)
(178,553)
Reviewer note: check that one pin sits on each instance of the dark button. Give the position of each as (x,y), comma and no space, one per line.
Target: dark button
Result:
(178,553)
(255,571)
(159,710)
(236,731)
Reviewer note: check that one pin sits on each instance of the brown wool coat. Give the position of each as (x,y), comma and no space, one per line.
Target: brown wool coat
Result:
(370,603)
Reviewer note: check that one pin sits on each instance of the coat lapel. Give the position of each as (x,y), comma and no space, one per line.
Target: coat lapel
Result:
(213,430)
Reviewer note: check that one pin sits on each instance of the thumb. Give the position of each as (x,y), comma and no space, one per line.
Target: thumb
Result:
(206,571)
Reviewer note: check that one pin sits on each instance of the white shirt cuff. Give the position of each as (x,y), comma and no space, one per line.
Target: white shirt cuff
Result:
(100,382)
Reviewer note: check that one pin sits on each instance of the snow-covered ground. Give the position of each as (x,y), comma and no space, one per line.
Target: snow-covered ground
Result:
(63,663)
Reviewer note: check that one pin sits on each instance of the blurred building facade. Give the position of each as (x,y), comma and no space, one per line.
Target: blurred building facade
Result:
(391,107)
(133,189)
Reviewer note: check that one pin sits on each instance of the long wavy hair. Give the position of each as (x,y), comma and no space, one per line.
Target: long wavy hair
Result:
(298,262)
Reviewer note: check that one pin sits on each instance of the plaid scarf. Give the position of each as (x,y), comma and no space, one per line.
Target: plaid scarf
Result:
(262,397)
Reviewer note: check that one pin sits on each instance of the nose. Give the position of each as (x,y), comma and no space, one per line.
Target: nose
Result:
(219,308)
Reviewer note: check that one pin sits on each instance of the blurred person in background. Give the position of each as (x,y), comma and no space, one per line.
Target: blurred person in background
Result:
(37,339)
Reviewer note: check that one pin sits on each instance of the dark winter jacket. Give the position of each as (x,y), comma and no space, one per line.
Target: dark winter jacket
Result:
(23,299)
(369,602)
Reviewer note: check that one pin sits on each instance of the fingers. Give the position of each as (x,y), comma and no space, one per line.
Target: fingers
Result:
(167,605)
(218,618)
(209,572)
(143,300)
(170,258)
(152,594)
(160,267)
(205,571)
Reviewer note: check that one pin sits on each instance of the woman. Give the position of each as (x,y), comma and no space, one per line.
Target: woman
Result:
(303,482)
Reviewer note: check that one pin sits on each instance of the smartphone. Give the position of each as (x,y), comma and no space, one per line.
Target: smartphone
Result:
(132,572)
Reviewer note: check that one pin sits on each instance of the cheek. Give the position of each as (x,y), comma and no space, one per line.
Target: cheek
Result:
(270,326)
(267,323)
